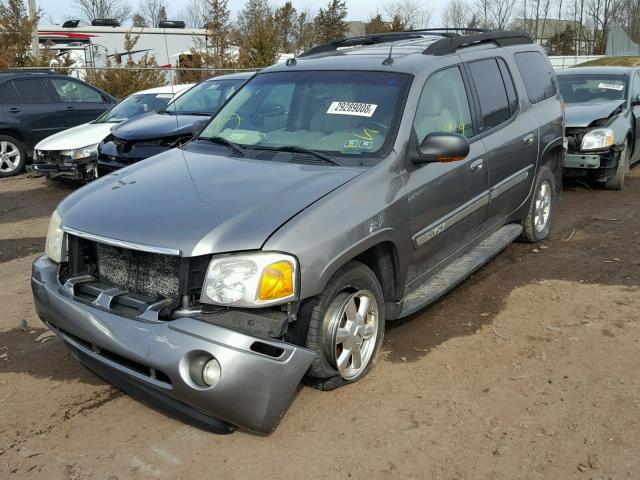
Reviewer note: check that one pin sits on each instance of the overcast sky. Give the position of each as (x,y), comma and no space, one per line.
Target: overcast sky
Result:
(57,10)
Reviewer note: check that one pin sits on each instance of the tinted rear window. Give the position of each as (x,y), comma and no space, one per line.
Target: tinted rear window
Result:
(33,90)
(537,75)
(492,94)
(8,93)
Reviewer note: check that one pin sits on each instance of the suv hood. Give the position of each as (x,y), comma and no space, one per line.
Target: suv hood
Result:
(76,137)
(156,125)
(582,114)
(199,203)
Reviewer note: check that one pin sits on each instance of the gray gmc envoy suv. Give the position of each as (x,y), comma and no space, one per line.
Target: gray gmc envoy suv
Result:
(347,188)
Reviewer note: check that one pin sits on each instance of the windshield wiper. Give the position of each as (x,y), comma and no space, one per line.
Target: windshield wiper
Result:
(222,141)
(296,149)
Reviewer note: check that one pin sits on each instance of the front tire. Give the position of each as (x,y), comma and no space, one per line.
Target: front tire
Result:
(13,156)
(537,224)
(617,182)
(346,327)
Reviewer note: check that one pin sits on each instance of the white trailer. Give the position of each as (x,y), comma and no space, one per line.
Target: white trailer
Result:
(93,46)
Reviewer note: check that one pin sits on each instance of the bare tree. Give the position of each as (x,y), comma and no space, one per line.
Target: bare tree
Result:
(195,14)
(495,14)
(92,9)
(456,14)
(152,11)
(408,14)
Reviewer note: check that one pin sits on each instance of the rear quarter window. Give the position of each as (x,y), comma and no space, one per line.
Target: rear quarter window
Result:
(537,75)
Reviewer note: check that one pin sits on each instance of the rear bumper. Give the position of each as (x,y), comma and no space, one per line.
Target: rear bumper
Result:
(151,359)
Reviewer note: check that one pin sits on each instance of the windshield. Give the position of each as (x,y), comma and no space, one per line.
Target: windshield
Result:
(135,105)
(347,113)
(592,88)
(205,98)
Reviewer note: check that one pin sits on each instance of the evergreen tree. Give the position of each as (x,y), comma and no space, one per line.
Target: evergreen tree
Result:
(286,18)
(16,30)
(376,24)
(330,22)
(257,35)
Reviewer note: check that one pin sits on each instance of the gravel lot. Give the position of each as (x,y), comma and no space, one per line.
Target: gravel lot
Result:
(528,370)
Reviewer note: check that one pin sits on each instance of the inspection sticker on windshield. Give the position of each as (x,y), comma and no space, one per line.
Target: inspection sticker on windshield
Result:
(362,144)
(164,95)
(352,108)
(611,86)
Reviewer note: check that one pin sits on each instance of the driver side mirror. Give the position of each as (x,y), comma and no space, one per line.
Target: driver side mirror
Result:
(198,126)
(442,147)
(635,101)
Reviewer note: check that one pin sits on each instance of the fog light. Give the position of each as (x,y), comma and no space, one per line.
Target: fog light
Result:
(204,370)
(211,372)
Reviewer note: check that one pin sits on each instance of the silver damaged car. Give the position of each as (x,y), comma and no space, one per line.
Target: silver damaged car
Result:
(349,187)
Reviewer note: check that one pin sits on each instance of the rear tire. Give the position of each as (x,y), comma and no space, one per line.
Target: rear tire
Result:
(13,156)
(346,327)
(617,182)
(537,224)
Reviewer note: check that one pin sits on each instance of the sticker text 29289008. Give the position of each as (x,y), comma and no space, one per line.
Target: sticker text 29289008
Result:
(352,108)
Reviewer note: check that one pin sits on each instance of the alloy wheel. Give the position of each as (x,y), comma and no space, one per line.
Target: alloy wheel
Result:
(9,157)
(351,332)
(542,207)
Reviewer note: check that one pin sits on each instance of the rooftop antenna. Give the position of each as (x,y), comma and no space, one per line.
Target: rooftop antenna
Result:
(389,60)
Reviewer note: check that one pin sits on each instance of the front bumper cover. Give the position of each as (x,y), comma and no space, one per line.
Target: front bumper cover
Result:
(257,382)
(80,170)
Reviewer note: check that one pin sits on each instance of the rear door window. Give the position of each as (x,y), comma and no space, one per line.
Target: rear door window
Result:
(8,93)
(537,75)
(508,84)
(492,94)
(33,90)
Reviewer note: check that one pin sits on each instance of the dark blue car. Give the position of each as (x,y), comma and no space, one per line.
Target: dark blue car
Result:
(148,135)
(35,105)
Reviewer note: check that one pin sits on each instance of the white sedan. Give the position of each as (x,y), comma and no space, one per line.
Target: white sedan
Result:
(72,153)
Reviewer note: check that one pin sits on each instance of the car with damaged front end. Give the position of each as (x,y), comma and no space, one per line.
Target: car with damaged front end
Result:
(343,189)
(602,106)
(173,125)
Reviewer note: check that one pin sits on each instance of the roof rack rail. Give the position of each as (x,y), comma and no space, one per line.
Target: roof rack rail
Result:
(450,31)
(450,44)
(370,39)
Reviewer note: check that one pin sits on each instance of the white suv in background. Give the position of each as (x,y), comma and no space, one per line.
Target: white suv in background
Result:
(72,153)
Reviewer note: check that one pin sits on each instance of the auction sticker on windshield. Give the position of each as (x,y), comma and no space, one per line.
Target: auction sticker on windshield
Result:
(352,108)
(611,86)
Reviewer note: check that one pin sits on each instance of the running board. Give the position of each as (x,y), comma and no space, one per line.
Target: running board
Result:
(454,273)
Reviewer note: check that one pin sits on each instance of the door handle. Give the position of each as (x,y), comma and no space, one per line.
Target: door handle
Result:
(71,109)
(14,109)
(476,165)
(528,139)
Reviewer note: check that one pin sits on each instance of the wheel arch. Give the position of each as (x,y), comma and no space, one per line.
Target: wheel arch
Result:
(379,253)
(12,132)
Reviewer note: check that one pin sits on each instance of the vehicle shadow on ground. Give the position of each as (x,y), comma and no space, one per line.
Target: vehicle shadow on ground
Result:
(19,205)
(594,240)
(13,248)
(51,359)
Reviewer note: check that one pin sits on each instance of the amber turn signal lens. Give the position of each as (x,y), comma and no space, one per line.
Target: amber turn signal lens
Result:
(277,281)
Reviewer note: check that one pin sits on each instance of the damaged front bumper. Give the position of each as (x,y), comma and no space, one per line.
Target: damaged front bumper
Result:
(77,170)
(152,359)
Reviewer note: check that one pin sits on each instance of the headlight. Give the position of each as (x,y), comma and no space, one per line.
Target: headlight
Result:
(81,153)
(598,139)
(250,280)
(55,238)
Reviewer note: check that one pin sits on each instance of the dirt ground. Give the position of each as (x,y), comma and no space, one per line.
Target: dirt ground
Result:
(528,370)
